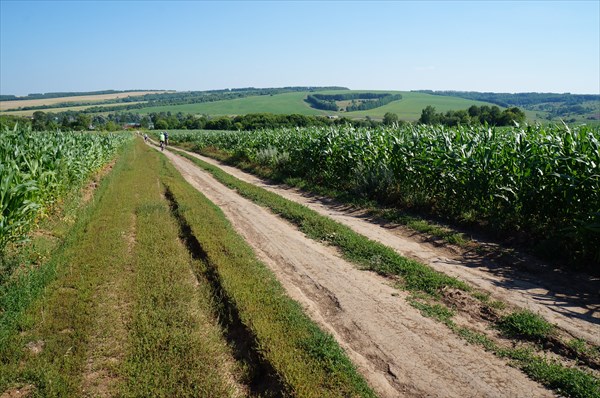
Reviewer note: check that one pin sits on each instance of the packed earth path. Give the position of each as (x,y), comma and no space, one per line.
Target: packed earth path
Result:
(399,351)
(571,302)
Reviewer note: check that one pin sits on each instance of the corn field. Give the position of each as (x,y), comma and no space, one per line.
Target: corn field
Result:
(38,168)
(538,181)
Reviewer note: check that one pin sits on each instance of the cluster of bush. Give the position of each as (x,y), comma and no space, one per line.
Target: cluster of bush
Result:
(42,121)
(71,120)
(490,115)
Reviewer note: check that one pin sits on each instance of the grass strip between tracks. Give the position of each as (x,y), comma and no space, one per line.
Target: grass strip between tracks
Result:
(568,381)
(309,362)
(417,277)
(428,227)
(175,346)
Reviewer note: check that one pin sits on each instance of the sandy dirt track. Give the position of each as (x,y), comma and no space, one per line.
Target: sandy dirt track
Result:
(573,306)
(400,352)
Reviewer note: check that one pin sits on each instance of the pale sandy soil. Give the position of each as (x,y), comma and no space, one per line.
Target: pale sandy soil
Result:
(30,112)
(400,352)
(6,105)
(571,302)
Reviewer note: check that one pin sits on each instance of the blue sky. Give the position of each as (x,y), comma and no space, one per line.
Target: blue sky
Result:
(500,46)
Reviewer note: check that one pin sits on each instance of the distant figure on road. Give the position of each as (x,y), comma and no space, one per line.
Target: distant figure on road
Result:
(145,137)
(162,140)
(166,138)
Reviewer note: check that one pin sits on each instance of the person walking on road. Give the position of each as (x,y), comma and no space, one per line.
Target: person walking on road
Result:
(162,140)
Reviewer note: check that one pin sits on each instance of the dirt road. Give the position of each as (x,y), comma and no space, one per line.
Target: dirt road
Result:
(572,306)
(400,352)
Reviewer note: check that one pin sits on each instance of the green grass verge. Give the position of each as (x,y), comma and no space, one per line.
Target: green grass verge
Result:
(412,221)
(29,268)
(308,361)
(525,324)
(421,225)
(175,348)
(50,307)
(355,247)
(567,381)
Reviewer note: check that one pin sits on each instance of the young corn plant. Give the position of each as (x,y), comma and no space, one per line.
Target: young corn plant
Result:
(540,181)
(37,169)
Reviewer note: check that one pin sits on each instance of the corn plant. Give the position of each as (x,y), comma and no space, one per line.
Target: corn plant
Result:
(37,169)
(541,181)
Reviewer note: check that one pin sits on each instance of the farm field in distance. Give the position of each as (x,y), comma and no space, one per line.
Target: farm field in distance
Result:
(408,108)
(286,101)
(13,105)
(30,112)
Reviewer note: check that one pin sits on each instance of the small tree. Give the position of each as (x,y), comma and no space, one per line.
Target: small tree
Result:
(428,115)
(39,121)
(390,118)
(161,124)
(82,122)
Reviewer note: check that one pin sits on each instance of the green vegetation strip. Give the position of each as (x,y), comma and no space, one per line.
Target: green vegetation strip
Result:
(44,340)
(26,270)
(308,361)
(174,348)
(567,381)
(355,247)
(571,382)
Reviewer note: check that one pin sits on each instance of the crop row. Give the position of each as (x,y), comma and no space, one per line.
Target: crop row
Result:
(540,181)
(38,168)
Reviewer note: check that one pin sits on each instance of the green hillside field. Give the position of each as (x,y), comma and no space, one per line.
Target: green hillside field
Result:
(409,108)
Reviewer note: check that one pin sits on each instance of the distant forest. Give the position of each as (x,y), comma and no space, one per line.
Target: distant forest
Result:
(76,120)
(519,99)
(555,105)
(360,101)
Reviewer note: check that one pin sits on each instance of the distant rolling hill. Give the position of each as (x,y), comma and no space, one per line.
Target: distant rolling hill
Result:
(281,101)
(408,108)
